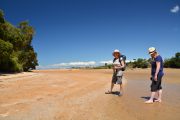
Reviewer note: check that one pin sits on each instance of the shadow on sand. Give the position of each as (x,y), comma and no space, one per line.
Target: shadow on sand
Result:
(147,98)
(114,93)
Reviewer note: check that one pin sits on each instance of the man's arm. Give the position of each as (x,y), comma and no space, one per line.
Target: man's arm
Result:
(157,70)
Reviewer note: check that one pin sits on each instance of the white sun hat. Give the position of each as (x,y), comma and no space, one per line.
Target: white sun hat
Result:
(152,50)
(116,51)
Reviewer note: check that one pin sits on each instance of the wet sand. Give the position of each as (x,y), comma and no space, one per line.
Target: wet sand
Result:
(79,95)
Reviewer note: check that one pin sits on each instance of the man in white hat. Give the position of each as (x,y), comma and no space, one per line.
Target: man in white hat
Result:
(156,75)
(118,65)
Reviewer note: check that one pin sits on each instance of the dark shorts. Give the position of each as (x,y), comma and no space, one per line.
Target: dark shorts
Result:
(156,85)
(116,79)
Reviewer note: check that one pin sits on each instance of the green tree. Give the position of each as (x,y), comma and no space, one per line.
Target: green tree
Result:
(8,62)
(6,49)
(27,56)
(1,17)
(16,52)
(173,62)
(140,63)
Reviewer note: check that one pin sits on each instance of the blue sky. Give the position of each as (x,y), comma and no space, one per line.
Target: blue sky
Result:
(87,31)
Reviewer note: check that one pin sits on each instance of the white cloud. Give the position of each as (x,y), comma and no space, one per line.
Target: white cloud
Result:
(127,61)
(175,9)
(71,64)
(107,61)
(83,63)
(77,64)
(68,65)
(110,61)
(43,67)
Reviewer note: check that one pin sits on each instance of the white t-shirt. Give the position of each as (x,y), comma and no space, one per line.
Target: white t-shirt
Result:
(119,72)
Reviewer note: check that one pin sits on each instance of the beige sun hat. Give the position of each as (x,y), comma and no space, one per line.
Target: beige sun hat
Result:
(116,51)
(152,50)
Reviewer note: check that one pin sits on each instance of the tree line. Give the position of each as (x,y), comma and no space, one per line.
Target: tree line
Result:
(173,62)
(16,51)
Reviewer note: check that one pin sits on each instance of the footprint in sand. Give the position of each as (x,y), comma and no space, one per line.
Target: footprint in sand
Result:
(4,115)
(2,86)
(39,99)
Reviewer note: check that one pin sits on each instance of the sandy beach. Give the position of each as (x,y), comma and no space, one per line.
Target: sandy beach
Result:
(80,95)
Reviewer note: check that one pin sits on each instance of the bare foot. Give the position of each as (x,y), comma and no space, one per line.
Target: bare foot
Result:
(149,102)
(108,92)
(158,100)
(121,93)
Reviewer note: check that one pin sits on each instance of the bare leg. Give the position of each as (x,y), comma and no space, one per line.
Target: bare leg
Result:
(157,94)
(151,98)
(160,94)
(112,85)
(121,89)
(159,99)
(109,92)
